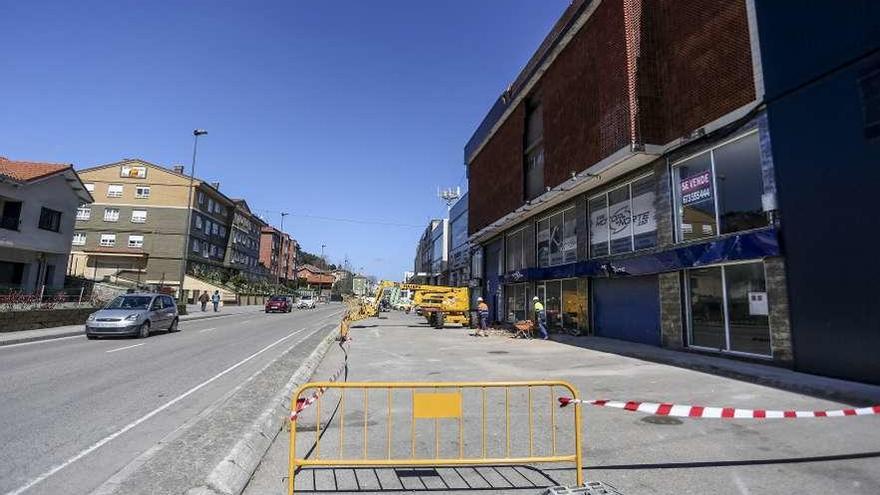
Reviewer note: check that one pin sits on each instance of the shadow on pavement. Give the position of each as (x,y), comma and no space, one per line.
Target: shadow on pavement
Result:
(445,479)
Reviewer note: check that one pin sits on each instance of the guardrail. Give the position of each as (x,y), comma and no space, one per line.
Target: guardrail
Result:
(480,410)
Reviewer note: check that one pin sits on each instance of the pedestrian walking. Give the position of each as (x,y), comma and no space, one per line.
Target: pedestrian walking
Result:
(541,317)
(203,299)
(215,300)
(483,316)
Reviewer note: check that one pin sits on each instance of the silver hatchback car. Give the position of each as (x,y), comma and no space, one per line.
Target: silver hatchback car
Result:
(135,315)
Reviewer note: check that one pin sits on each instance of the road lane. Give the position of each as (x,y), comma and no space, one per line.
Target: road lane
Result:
(61,398)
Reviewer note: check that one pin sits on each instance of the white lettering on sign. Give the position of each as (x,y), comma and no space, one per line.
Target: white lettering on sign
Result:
(696,188)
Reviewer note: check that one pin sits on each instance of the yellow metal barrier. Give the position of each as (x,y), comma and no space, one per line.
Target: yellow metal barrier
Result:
(477,408)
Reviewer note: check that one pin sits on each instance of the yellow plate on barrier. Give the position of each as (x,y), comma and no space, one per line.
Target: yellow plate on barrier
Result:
(436,405)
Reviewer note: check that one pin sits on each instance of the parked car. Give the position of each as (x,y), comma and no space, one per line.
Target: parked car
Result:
(135,314)
(282,304)
(306,302)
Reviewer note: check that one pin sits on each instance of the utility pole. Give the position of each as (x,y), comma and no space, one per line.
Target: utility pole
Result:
(322,255)
(189,207)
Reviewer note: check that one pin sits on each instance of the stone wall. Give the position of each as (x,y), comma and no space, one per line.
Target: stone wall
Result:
(13,321)
(671,324)
(780,323)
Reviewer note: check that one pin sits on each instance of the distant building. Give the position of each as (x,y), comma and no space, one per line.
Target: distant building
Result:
(315,278)
(135,232)
(278,254)
(359,285)
(243,251)
(459,257)
(423,262)
(38,205)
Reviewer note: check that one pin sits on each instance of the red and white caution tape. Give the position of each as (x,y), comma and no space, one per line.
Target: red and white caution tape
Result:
(685,411)
(304,402)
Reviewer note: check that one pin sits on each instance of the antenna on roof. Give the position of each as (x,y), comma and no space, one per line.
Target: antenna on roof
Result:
(449,196)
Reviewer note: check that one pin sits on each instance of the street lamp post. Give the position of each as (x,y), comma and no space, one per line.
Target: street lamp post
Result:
(189,207)
(322,255)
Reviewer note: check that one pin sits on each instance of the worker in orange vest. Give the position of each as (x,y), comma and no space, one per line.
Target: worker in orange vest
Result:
(483,315)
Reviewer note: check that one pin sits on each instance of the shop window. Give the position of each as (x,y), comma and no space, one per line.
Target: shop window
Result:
(719,191)
(565,304)
(729,308)
(534,149)
(623,219)
(515,251)
(518,301)
(557,238)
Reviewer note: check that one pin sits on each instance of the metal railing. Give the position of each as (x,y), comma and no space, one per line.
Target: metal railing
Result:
(482,412)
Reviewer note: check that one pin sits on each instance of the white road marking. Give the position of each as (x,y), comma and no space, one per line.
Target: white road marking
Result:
(126,347)
(40,341)
(207,329)
(108,438)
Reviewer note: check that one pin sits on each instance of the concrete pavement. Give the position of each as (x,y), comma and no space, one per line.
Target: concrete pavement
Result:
(74,411)
(636,453)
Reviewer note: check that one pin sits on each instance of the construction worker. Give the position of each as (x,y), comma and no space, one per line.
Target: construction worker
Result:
(483,315)
(541,317)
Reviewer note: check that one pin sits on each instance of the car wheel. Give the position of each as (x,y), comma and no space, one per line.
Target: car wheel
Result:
(174,326)
(144,330)
(92,337)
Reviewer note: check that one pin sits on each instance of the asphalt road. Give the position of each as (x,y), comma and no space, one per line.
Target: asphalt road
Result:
(74,411)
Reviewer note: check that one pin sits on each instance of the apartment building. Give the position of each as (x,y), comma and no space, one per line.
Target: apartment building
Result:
(38,204)
(243,252)
(278,254)
(135,232)
(626,179)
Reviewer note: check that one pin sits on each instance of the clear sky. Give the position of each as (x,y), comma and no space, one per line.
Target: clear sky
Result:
(347,109)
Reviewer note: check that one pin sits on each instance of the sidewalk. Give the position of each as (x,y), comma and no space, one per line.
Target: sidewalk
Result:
(194,312)
(636,453)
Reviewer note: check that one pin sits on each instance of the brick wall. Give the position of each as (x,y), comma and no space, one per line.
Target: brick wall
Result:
(692,66)
(496,174)
(695,67)
(584,93)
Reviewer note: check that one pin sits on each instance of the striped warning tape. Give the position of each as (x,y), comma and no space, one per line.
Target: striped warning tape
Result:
(685,411)
(304,402)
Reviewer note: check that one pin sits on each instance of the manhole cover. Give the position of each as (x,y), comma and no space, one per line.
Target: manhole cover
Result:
(499,352)
(661,420)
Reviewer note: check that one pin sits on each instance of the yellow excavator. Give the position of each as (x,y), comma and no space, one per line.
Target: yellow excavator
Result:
(439,304)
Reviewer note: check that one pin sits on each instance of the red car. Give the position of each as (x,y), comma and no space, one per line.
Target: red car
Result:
(281,304)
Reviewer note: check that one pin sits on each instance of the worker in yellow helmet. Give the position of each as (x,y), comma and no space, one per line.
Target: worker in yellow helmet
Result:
(541,316)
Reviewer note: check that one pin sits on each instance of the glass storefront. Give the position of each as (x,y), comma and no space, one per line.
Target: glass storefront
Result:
(518,302)
(565,302)
(729,310)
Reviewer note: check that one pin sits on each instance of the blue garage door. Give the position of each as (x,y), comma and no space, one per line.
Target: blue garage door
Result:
(627,309)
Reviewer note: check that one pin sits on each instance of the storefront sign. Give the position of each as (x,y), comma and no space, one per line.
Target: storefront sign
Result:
(696,188)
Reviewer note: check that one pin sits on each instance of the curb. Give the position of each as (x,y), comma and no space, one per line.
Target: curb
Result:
(232,474)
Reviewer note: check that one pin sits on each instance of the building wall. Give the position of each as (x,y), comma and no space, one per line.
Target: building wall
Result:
(636,72)
(31,244)
(825,156)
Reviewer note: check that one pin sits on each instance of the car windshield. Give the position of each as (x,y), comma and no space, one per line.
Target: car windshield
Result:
(277,298)
(130,302)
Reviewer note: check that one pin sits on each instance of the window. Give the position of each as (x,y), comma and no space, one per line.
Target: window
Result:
(534,150)
(50,219)
(90,187)
(728,308)
(518,302)
(201,197)
(719,191)
(222,231)
(11,215)
(207,227)
(84,212)
(108,240)
(114,191)
(135,241)
(215,229)
(516,251)
(142,192)
(138,216)
(198,222)
(623,219)
(11,273)
(79,239)
(557,238)
(210,205)
(195,246)
(111,214)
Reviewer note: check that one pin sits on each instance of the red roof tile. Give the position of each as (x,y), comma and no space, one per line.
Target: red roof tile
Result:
(29,171)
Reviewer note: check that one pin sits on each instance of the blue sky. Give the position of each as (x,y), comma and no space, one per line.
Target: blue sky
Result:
(346,109)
